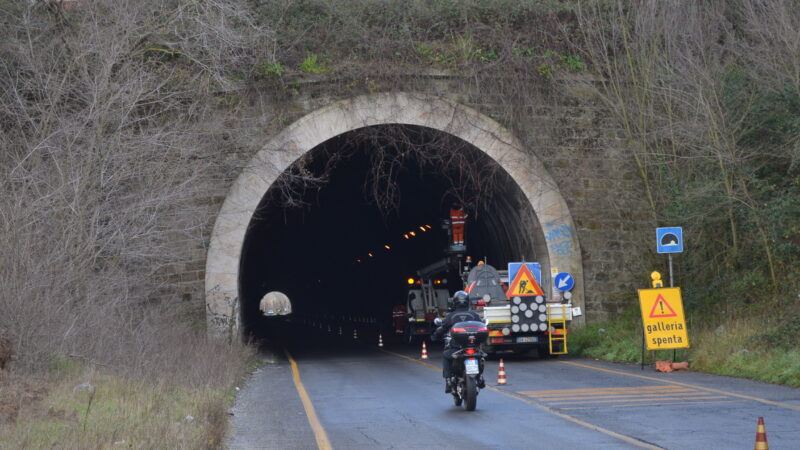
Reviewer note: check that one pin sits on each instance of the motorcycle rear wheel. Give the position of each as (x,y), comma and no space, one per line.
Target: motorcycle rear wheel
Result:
(471,393)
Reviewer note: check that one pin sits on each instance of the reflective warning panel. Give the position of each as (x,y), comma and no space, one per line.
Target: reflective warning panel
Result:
(662,318)
(524,284)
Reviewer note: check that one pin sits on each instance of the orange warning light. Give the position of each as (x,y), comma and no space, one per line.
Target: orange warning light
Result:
(411,281)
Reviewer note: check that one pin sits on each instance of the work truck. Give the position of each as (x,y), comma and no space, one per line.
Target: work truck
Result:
(426,300)
(520,323)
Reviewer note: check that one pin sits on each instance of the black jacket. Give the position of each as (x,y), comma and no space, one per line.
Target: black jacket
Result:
(452,318)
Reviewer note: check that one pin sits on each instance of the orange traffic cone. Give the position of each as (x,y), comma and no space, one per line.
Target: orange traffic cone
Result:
(761,436)
(380,340)
(501,373)
(424,351)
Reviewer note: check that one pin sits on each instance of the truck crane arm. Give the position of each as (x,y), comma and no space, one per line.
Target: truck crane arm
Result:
(441,266)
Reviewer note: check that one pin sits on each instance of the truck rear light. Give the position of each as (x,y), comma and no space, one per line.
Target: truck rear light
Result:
(496,340)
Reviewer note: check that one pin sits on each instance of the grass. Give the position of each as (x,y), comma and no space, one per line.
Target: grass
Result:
(746,345)
(183,405)
(143,415)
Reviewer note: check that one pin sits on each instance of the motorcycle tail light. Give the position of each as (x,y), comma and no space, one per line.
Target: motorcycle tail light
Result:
(459,330)
(470,351)
(483,330)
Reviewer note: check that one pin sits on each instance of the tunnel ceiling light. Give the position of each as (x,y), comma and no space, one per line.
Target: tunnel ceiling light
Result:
(428,227)
(405,235)
(370,255)
(412,233)
(358,260)
(422,228)
(387,247)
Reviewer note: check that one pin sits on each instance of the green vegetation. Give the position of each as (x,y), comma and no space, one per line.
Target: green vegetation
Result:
(271,69)
(752,347)
(313,64)
(136,413)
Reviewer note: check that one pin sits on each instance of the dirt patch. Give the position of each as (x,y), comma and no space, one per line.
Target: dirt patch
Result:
(17,395)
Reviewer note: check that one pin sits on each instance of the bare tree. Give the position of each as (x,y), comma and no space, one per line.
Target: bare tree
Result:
(111,130)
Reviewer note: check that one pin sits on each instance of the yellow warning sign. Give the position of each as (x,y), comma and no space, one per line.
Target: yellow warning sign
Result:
(662,318)
(524,284)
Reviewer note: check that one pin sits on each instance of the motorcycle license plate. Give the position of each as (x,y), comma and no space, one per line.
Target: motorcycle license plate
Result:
(471,366)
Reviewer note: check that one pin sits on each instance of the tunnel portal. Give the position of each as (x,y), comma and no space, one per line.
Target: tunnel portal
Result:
(303,212)
(345,228)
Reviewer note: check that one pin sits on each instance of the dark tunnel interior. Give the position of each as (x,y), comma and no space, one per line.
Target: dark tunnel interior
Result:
(328,245)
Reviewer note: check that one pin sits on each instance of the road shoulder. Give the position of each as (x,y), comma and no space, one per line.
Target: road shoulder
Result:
(268,412)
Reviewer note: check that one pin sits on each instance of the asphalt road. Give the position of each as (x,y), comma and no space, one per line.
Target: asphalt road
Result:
(363,397)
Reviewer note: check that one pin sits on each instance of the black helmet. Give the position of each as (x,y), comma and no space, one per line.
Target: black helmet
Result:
(460,299)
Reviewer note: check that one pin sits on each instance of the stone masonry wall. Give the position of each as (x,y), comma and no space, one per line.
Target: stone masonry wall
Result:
(572,134)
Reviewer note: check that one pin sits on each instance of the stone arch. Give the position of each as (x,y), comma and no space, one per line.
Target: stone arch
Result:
(539,188)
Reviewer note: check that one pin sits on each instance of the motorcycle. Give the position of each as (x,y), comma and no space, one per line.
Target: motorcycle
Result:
(466,380)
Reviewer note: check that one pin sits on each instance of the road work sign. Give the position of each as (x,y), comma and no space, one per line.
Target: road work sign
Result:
(662,318)
(535,268)
(524,284)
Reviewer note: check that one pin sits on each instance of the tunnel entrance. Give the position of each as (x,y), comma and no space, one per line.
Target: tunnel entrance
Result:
(344,228)
(259,244)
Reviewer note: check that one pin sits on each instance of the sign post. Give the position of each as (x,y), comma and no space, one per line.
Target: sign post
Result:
(669,240)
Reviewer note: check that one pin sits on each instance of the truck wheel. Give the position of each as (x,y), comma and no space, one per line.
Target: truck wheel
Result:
(409,335)
(544,350)
(471,393)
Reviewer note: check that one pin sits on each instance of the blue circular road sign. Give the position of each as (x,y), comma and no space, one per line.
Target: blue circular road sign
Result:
(564,281)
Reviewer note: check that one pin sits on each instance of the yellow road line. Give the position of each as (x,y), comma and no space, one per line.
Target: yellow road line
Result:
(647,404)
(628,400)
(622,437)
(590,398)
(606,389)
(678,383)
(319,433)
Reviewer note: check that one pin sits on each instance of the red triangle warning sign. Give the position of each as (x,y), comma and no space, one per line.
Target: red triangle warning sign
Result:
(524,284)
(661,308)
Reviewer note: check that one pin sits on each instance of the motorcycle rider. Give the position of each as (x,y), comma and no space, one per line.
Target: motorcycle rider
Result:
(461,313)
